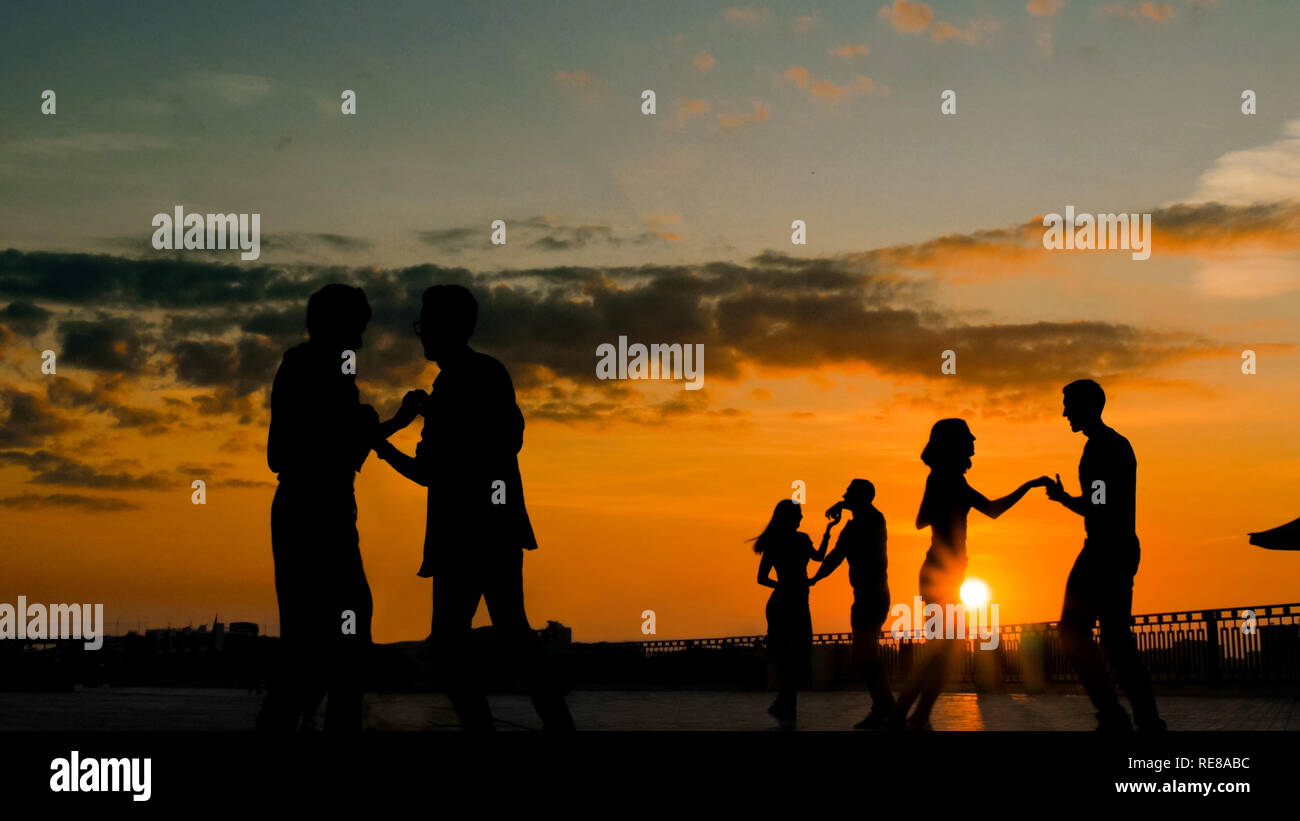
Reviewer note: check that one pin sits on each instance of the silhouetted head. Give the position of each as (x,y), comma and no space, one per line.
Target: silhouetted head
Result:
(337,316)
(785,520)
(950,447)
(447,319)
(1083,400)
(860,494)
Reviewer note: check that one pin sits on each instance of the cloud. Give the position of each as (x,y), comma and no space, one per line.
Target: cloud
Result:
(1157,11)
(826,90)
(659,225)
(1267,173)
(314,244)
(685,110)
(102,345)
(245,366)
(1144,12)
(804,24)
(1045,8)
(454,240)
(589,87)
(90,504)
(541,233)
(799,75)
(848,50)
(759,114)
(233,89)
(1256,276)
(206,336)
(170,282)
(917,18)
(26,420)
(49,468)
(104,397)
(242,483)
(907,18)
(973,33)
(746,15)
(704,61)
(1252,250)
(1045,11)
(25,318)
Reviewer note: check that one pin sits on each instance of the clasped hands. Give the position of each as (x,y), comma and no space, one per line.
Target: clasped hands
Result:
(412,405)
(1055,490)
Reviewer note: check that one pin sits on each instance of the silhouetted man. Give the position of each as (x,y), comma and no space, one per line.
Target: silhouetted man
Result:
(320,435)
(1100,587)
(478,527)
(862,543)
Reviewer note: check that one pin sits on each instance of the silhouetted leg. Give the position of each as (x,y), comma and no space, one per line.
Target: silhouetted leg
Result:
(934,678)
(344,710)
(866,652)
(786,627)
(938,584)
(455,598)
(297,674)
(504,592)
(785,658)
(1121,650)
(1078,615)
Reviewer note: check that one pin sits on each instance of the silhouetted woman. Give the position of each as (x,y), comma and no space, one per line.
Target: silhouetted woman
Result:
(789,624)
(947,500)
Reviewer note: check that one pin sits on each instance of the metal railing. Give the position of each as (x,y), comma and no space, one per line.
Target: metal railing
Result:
(1243,645)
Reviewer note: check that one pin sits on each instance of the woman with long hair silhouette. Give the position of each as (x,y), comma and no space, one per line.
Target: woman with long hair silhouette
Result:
(789,623)
(947,500)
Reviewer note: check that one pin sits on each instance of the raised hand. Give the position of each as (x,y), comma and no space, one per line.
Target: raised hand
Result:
(412,403)
(1056,490)
(834,512)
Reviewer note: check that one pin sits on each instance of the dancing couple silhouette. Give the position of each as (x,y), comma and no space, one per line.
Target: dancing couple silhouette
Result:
(1099,588)
(477,527)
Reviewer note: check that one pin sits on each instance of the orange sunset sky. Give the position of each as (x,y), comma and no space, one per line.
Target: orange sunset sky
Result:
(821,361)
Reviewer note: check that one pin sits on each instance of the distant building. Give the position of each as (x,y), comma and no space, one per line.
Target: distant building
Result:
(556,634)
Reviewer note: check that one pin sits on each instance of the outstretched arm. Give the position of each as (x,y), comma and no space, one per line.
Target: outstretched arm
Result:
(828,567)
(996,507)
(411,404)
(820,553)
(408,466)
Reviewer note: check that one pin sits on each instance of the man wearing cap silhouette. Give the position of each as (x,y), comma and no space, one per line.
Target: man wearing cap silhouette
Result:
(477,528)
(1100,586)
(862,543)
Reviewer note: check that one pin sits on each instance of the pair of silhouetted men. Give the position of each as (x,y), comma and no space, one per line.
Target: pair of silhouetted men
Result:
(1100,586)
(477,526)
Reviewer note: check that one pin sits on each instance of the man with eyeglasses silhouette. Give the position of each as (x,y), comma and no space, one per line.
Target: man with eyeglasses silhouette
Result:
(478,527)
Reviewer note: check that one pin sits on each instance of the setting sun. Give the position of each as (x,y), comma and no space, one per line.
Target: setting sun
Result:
(974,593)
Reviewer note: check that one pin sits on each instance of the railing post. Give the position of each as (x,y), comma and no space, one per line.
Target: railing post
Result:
(1213,653)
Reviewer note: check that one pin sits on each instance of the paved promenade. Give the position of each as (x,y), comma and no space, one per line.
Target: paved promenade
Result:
(188,709)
